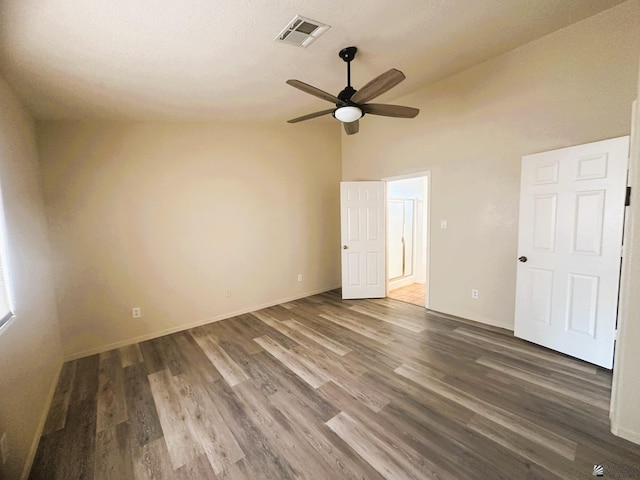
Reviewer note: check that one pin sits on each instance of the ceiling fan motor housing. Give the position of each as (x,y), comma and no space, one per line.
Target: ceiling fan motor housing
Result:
(346,94)
(347,54)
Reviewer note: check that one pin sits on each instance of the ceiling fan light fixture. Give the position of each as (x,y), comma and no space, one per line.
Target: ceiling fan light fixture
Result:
(348,114)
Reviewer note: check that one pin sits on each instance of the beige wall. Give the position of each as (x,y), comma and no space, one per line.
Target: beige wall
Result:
(30,353)
(625,404)
(169,217)
(571,87)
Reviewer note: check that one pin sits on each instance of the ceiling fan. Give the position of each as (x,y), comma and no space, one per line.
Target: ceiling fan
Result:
(350,103)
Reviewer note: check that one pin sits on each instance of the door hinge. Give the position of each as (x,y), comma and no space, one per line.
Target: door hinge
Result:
(615,335)
(627,198)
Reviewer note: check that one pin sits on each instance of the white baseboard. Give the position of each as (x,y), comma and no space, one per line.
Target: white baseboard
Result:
(469,319)
(41,423)
(197,323)
(625,433)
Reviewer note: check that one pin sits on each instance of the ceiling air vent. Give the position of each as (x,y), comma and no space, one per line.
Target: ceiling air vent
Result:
(301,31)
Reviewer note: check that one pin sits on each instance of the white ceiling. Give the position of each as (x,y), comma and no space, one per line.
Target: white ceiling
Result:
(215,59)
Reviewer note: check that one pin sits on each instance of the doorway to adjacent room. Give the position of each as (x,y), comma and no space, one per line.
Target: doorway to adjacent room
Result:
(408,238)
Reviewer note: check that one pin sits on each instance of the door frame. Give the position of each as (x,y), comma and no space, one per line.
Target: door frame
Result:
(427,213)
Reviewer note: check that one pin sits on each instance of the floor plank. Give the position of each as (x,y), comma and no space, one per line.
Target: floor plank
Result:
(358,327)
(131,355)
(151,461)
(406,323)
(85,381)
(217,441)
(229,369)
(305,369)
(319,338)
(113,453)
(60,403)
(112,406)
(179,434)
(141,408)
(380,454)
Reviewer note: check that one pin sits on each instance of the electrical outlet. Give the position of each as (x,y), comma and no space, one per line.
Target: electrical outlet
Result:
(228,293)
(299,277)
(474,293)
(443,224)
(136,312)
(4,448)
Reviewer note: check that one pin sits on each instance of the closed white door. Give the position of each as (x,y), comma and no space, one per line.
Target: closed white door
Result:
(362,212)
(569,247)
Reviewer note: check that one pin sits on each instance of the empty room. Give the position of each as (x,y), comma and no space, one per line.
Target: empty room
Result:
(319,240)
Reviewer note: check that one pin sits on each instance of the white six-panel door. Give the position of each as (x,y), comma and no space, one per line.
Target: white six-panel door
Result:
(362,212)
(569,247)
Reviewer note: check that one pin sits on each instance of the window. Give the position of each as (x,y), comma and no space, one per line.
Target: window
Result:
(5,303)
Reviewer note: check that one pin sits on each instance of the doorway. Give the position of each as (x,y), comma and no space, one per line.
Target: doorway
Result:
(408,238)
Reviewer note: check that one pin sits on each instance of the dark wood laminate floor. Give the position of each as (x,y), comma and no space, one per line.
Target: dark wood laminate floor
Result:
(322,388)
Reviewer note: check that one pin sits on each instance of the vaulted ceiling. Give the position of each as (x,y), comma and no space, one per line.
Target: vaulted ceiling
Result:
(214,59)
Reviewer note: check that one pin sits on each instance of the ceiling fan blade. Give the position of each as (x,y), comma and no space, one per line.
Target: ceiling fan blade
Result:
(378,86)
(352,127)
(397,111)
(316,92)
(310,116)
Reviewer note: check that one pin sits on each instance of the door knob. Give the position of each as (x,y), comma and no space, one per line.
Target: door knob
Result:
(523,259)
(344,247)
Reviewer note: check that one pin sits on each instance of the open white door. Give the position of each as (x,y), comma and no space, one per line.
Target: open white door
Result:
(569,243)
(362,213)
